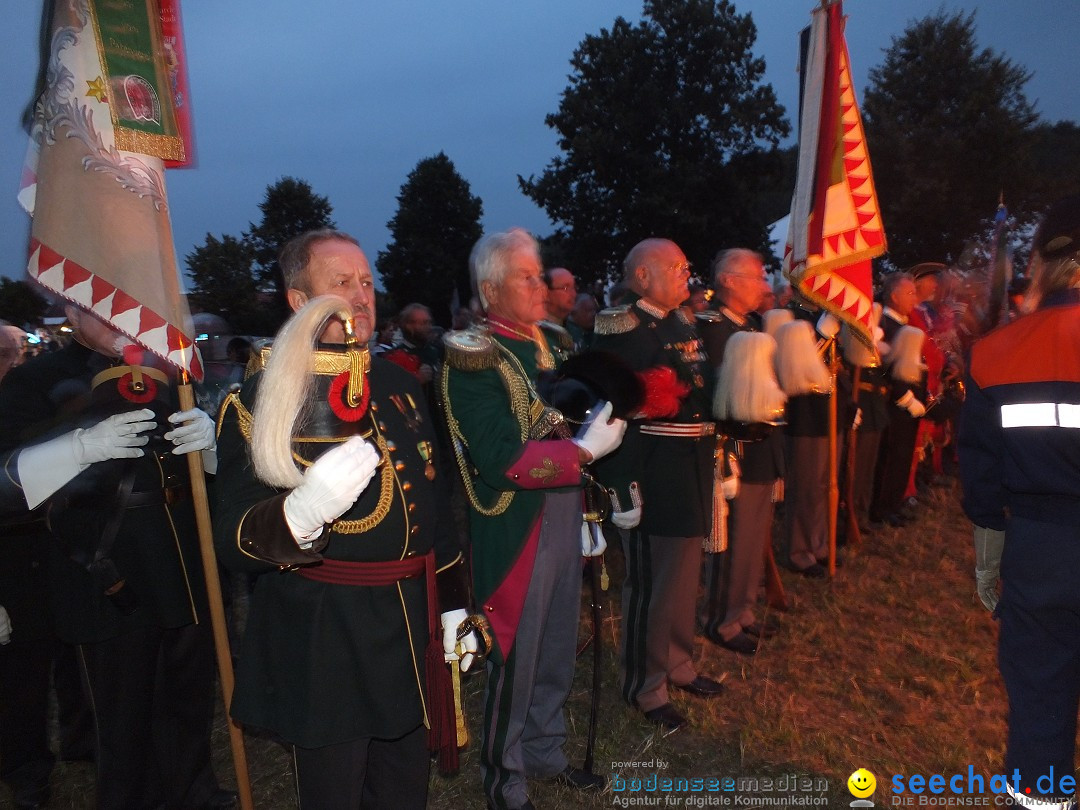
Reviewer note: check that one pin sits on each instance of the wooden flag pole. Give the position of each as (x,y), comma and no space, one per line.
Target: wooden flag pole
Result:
(217,609)
(833,503)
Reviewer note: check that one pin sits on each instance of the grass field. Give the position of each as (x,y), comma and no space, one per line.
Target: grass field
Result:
(890,666)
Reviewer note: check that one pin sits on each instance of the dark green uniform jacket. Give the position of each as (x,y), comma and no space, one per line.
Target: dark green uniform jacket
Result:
(503,462)
(324,663)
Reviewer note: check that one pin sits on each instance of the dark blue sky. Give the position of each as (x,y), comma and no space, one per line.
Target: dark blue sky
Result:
(350,94)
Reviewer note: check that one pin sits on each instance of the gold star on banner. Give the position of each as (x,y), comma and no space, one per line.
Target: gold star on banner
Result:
(96,88)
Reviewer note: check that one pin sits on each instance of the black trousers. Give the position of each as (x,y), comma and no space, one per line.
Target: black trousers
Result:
(151,691)
(369,773)
(894,463)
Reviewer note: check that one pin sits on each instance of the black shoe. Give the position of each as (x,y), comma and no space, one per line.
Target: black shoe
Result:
(579,779)
(762,630)
(815,571)
(896,520)
(743,644)
(702,687)
(666,717)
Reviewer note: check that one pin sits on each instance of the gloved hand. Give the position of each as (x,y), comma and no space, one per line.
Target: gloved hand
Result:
(451,621)
(5,626)
(196,431)
(628,519)
(828,325)
(599,436)
(730,487)
(593,542)
(911,405)
(988,546)
(331,485)
(115,437)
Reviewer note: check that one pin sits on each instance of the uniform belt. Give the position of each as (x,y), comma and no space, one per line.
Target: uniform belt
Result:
(155,497)
(151,497)
(344,572)
(683,429)
(874,389)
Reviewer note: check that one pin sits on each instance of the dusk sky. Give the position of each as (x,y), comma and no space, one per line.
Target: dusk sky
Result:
(349,95)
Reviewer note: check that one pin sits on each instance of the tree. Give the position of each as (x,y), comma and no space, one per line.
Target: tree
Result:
(949,129)
(435,227)
(666,130)
(289,208)
(222,283)
(20,304)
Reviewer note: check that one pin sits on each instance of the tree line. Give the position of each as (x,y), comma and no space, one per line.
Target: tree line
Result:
(667,128)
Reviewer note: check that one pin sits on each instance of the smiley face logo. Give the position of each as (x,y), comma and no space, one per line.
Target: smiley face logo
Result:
(861,783)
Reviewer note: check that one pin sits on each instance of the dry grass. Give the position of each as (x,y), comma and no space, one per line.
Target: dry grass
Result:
(891,666)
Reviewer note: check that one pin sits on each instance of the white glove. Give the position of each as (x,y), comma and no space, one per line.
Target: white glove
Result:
(115,437)
(451,621)
(593,542)
(911,405)
(599,436)
(988,546)
(730,487)
(5,626)
(196,431)
(331,485)
(627,520)
(828,325)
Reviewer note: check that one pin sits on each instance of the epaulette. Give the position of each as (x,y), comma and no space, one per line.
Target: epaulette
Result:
(710,315)
(470,350)
(563,339)
(258,360)
(615,321)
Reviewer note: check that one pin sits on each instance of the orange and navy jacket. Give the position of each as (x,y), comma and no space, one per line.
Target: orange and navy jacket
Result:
(1019,436)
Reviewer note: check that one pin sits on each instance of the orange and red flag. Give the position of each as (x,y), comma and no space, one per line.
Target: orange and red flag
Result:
(835,227)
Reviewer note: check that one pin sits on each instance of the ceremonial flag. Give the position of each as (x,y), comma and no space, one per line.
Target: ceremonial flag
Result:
(835,227)
(94,179)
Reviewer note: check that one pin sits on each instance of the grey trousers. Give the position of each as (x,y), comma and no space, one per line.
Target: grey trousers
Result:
(659,596)
(751,528)
(524,723)
(806,491)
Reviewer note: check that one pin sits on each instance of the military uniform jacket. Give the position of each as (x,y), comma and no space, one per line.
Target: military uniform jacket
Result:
(325,663)
(155,547)
(675,473)
(503,462)
(1019,438)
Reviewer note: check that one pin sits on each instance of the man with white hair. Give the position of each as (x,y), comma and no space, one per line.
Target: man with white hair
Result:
(522,472)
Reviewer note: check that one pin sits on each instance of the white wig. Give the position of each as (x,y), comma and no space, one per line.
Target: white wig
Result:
(773,319)
(747,390)
(799,367)
(905,356)
(285,391)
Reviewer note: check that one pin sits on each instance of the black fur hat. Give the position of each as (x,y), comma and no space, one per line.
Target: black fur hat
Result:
(590,377)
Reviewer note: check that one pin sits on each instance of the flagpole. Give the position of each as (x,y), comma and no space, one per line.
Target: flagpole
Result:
(833,502)
(217,609)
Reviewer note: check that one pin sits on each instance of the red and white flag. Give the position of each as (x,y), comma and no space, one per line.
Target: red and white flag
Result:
(835,227)
(94,179)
